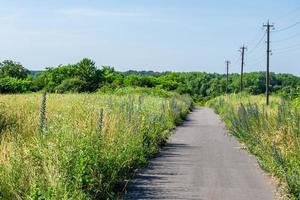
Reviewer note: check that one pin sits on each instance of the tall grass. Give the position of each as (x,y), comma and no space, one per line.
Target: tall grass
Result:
(92,143)
(271,133)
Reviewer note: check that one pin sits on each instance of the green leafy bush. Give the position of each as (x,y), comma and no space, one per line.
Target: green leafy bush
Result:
(14,85)
(70,85)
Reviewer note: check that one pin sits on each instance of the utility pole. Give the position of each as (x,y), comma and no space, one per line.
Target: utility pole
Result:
(227,62)
(268,26)
(242,50)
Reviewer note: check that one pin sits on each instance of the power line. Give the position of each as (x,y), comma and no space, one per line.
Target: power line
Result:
(257,54)
(288,27)
(255,46)
(254,39)
(237,60)
(258,43)
(286,50)
(286,39)
(289,47)
(288,14)
(256,61)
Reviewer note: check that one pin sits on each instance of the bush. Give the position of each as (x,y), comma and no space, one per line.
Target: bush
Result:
(70,85)
(14,85)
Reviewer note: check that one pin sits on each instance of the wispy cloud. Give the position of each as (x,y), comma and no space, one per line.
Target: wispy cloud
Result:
(90,12)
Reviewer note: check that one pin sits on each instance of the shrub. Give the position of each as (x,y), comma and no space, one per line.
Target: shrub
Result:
(70,85)
(14,85)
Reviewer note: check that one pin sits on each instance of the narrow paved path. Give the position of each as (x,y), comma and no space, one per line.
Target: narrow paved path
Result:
(202,162)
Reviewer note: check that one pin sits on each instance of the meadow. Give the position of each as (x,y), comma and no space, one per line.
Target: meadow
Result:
(271,133)
(81,146)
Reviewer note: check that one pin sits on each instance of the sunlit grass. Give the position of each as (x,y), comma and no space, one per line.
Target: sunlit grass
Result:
(71,159)
(272,133)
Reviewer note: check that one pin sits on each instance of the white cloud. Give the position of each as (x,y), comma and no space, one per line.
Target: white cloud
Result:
(89,12)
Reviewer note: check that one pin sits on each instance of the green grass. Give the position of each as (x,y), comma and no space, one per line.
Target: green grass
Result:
(78,155)
(271,133)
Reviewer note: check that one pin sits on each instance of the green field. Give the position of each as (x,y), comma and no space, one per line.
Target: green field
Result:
(97,125)
(76,151)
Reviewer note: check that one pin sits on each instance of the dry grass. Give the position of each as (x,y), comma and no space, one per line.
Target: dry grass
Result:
(271,133)
(71,159)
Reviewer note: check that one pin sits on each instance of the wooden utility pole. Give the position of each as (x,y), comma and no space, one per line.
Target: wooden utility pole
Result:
(268,26)
(242,50)
(227,62)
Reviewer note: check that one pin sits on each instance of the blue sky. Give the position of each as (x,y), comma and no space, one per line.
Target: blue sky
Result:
(159,35)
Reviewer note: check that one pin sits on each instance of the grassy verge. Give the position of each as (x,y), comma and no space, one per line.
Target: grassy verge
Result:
(89,145)
(271,133)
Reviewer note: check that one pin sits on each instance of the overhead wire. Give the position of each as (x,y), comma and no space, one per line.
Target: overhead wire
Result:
(254,60)
(288,27)
(286,39)
(291,12)
(258,43)
(289,47)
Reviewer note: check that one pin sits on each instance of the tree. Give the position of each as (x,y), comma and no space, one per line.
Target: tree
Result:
(53,77)
(87,71)
(9,68)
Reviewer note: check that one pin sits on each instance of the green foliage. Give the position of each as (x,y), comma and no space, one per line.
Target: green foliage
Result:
(139,81)
(14,85)
(88,73)
(111,77)
(84,75)
(290,92)
(71,85)
(202,86)
(9,68)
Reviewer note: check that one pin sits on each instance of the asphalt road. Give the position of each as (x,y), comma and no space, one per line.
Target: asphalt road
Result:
(202,162)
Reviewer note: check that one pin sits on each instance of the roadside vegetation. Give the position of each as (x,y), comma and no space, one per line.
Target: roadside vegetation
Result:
(81,146)
(271,133)
(86,76)
(94,126)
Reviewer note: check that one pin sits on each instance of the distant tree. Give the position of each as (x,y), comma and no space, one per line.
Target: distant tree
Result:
(87,71)
(139,80)
(111,77)
(53,77)
(9,68)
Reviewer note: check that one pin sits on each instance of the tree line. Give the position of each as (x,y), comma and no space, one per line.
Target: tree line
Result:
(85,76)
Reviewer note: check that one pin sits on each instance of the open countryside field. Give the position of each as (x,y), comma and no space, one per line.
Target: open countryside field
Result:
(95,127)
(76,151)
(151,99)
